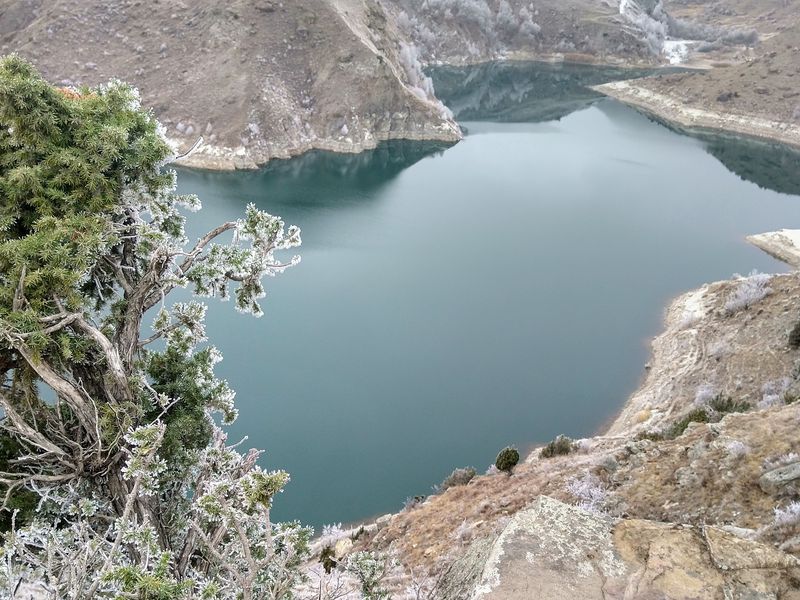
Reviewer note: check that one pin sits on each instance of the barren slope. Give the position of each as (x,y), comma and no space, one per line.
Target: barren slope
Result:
(258,79)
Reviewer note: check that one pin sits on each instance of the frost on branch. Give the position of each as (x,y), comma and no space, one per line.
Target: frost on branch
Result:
(137,494)
(246,263)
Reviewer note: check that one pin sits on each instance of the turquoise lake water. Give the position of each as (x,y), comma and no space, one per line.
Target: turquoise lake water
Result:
(453,300)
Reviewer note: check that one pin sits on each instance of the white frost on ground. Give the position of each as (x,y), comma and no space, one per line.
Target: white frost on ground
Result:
(677,51)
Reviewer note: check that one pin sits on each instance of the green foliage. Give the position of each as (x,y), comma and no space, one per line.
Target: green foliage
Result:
(371,570)
(456,478)
(327,557)
(653,436)
(697,415)
(560,446)
(144,497)
(507,459)
(712,412)
(723,405)
(65,160)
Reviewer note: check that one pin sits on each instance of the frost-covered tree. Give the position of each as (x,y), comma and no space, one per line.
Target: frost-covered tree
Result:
(113,431)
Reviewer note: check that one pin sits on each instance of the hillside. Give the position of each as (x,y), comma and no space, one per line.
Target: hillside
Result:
(257,80)
(752,91)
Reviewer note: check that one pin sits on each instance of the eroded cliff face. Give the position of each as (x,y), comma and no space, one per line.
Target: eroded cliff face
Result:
(472,31)
(256,79)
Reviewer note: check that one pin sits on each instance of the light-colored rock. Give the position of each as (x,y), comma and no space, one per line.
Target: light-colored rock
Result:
(383,521)
(772,481)
(342,548)
(557,551)
(783,245)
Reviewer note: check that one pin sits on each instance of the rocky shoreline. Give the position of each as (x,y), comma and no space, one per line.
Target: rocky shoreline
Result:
(213,157)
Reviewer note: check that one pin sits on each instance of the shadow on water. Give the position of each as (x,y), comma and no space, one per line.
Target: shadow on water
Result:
(770,166)
(346,178)
(522,92)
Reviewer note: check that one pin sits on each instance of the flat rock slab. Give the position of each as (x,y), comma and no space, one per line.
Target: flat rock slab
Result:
(783,245)
(555,551)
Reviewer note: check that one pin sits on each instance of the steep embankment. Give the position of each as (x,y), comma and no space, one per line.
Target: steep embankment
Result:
(257,79)
(460,32)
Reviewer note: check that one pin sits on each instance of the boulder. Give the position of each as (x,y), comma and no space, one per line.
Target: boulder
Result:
(557,551)
(773,481)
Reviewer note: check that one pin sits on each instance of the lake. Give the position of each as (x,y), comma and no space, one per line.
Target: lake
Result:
(454,300)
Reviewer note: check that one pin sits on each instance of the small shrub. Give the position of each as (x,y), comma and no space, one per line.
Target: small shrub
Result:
(723,405)
(463,532)
(750,290)
(788,516)
(589,491)
(653,436)
(507,459)
(371,569)
(704,394)
(737,449)
(780,461)
(413,502)
(456,478)
(328,559)
(331,534)
(794,336)
(698,415)
(558,447)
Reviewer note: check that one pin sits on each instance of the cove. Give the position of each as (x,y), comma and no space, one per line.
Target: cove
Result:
(451,301)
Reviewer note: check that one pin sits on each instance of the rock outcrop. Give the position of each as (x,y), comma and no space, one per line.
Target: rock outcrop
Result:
(783,245)
(560,552)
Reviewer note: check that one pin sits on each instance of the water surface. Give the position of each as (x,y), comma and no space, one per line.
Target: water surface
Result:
(451,301)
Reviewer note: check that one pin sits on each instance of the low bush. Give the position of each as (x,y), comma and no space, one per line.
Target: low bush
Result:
(413,502)
(558,447)
(507,459)
(723,405)
(456,478)
(698,415)
(653,436)
(794,336)
(751,289)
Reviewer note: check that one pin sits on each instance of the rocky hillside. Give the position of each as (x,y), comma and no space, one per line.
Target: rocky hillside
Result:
(693,492)
(752,90)
(263,79)
(472,31)
(256,79)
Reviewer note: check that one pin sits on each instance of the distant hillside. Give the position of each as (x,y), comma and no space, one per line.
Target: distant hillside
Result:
(256,78)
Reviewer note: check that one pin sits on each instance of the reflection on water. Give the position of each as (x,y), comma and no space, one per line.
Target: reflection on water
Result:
(521,91)
(770,166)
(373,167)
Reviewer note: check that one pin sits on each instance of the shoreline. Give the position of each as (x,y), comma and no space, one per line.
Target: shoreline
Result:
(673,112)
(208,157)
(212,157)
